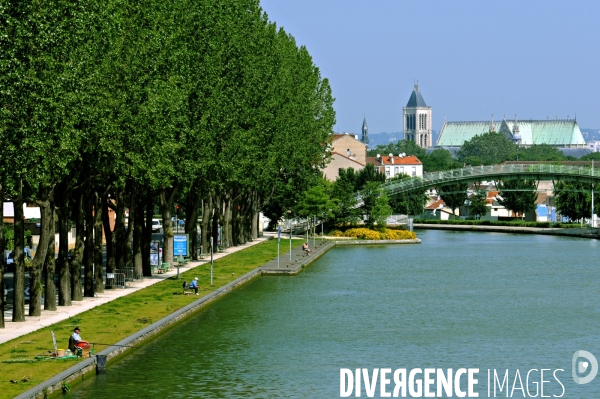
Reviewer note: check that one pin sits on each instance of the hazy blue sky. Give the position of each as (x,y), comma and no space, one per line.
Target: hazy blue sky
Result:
(471,58)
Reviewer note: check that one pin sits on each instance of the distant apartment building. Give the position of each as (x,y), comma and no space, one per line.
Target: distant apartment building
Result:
(594,146)
(346,151)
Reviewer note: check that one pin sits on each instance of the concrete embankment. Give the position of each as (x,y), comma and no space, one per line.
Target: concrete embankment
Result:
(574,232)
(289,263)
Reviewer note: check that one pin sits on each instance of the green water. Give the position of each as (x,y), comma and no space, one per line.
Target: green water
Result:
(460,299)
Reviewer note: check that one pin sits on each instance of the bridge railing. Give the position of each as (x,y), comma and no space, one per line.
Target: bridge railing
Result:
(432,179)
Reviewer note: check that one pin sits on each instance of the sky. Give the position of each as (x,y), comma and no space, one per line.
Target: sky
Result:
(472,59)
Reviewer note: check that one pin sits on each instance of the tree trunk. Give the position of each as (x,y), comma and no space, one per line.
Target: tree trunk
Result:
(110,238)
(248,214)
(205,229)
(64,279)
(77,253)
(215,226)
(128,247)
(88,252)
(227,216)
(235,221)
(255,216)
(120,242)
(49,264)
(2,248)
(137,215)
(166,202)
(37,264)
(147,234)
(19,277)
(98,261)
(255,225)
(191,218)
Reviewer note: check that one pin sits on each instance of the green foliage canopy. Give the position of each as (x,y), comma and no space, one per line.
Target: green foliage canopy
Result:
(518,195)
(488,148)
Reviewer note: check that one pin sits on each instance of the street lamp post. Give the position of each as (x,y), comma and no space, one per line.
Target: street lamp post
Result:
(322,220)
(592,196)
(307,227)
(211,246)
(314,231)
(290,240)
(179,262)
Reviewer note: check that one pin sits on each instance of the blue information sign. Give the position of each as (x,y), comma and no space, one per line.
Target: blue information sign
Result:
(180,244)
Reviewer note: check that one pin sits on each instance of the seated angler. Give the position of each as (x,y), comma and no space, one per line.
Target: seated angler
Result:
(305,248)
(76,344)
(194,285)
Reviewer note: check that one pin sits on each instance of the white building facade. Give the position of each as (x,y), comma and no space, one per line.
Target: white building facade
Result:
(392,166)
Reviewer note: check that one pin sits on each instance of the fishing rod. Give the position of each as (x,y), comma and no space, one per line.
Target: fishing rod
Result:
(124,346)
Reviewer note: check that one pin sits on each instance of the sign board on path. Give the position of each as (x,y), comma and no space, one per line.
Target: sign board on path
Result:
(180,244)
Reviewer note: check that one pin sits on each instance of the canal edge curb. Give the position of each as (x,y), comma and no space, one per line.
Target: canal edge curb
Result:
(571,232)
(79,370)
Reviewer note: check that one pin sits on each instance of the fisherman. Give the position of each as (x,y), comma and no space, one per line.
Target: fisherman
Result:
(194,285)
(76,344)
(305,248)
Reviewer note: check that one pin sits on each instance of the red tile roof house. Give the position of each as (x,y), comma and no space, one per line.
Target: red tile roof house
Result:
(438,210)
(392,165)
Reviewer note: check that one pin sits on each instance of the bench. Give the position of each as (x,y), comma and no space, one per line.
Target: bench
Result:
(165,267)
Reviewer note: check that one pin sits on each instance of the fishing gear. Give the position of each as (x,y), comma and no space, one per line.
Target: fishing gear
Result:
(123,346)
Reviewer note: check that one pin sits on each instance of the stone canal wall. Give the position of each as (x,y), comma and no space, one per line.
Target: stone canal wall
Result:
(584,232)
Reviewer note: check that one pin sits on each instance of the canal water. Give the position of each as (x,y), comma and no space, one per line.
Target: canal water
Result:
(490,301)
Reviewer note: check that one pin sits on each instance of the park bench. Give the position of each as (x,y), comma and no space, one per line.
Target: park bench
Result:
(165,267)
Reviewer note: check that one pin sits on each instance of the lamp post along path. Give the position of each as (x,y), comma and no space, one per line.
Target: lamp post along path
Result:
(315,231)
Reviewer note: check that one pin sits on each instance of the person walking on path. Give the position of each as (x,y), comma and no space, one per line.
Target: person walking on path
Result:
(194,285)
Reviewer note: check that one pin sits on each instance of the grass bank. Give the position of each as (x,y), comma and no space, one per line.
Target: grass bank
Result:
(114,321)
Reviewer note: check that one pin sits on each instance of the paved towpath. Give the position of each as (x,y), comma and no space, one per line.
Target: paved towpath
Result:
(14,330)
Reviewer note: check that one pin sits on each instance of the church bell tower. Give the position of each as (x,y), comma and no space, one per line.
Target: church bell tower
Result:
(417,120)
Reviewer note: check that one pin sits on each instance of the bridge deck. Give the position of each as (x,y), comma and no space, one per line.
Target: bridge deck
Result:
(494,172)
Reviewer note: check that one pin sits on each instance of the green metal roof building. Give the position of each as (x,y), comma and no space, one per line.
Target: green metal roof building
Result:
(563,133)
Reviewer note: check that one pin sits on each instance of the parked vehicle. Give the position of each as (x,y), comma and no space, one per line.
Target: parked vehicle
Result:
(10,260)
(156,225)
(10,263)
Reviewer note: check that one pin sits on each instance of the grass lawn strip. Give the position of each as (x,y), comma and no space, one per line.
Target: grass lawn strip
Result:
(111,322)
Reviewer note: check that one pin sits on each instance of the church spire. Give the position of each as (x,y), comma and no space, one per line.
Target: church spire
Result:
(492,126)
(365,131)
(516,133)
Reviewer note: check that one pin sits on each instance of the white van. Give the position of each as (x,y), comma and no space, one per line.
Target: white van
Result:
(156,225)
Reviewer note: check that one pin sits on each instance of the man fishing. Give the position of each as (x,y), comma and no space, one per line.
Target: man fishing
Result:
(194,285)
(76,344)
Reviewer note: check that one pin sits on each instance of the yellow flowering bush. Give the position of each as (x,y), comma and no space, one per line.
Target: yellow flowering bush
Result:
(367,234)
(336,233)
(398,235)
